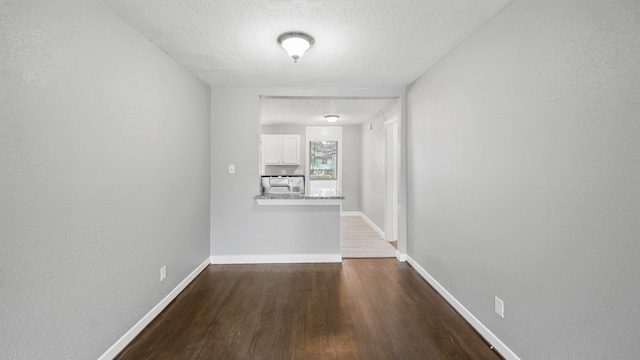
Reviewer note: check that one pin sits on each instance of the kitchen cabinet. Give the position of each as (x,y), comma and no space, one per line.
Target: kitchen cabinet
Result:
(280,149)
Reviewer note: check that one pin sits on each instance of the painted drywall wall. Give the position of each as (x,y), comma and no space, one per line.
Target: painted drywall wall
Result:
(372,190)
(524,179)
(238,225)
(287,129)
(104,151)
(351,167)
(392,123)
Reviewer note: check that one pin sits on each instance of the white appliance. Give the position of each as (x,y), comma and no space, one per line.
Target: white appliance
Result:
(291,184)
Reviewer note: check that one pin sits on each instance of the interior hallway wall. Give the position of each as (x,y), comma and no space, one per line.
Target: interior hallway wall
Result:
(372,191)
(524,179)
(240,227)
(105,153)
(351,167)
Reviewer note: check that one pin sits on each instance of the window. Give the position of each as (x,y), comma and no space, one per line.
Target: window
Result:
(323,160)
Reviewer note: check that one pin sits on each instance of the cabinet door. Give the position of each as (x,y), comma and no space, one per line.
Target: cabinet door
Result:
(291,149)
(271,149)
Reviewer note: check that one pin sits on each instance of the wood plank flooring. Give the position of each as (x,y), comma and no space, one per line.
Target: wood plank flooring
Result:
(359,240)
(360,309)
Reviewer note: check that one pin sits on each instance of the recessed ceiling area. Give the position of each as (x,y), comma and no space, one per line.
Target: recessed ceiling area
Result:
(311,111)
(358,43)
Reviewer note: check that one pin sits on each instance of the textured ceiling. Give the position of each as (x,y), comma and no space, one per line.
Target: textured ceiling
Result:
(358,43)
(311,111)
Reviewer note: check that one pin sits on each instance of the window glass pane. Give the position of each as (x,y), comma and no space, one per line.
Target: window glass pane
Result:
(323,160)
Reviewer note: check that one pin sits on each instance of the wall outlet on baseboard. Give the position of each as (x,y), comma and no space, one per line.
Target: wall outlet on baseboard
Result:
(163,272)
(499,307)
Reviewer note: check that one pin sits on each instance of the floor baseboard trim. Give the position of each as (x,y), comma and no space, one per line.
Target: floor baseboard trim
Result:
(116,348)
(401,257)
(373,225)
(351,213)
(276,259)
(466,314)
(365,218)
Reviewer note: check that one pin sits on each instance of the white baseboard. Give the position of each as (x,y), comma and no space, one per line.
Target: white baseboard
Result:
(483,330)
(365,218)
(350,213)
(401,257)
(374,226)
(115,349)
(276,259)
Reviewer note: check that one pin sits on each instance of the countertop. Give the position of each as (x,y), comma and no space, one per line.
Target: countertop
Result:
(318,196)
(312,198)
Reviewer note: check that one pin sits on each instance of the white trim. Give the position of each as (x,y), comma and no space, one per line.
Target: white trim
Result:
(391,121)
(391,171)
(299,201)
(400,256)
(116,348)
(374,226)
(483,330)
(276,259)
(351,213)
(365,218)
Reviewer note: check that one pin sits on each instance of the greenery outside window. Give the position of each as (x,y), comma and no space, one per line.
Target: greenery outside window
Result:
(323,160)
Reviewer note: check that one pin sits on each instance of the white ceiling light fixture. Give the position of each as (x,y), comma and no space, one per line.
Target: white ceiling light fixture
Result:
(295,43)
(332,118)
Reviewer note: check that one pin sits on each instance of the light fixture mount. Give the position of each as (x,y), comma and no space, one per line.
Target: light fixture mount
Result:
(332,118)
(295,43)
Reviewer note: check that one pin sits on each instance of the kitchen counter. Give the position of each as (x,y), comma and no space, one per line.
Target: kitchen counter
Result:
(301,228)
(313,198)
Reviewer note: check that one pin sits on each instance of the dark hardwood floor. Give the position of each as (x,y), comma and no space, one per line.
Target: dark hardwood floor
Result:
(360,309)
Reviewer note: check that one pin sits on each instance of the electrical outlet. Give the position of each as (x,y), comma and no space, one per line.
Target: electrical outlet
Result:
(499,307)
(232,169)
(163,272)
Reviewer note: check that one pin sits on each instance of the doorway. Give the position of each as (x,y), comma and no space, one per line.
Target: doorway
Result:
(367,166)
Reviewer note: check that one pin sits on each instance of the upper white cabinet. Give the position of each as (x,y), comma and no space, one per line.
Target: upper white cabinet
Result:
(271,149)
(281,149)
(291,149)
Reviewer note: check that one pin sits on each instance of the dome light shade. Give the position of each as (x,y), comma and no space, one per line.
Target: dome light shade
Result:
(332,118)
(295,43)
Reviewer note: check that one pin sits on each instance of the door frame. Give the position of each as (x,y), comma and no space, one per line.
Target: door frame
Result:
(392,181)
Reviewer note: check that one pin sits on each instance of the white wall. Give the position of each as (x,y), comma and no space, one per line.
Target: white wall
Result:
(104,151)
(351,167)
(372,190)
(238,225)
(524,179)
